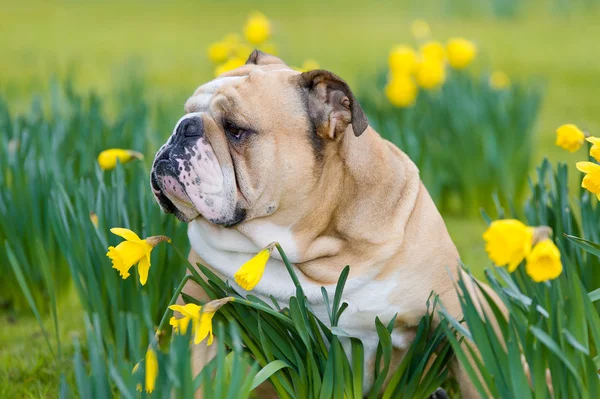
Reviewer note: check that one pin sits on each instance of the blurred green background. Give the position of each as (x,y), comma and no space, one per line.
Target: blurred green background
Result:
(164,43)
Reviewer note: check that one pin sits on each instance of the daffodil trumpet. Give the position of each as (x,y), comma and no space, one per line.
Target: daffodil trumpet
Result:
(250,273)
(107,159)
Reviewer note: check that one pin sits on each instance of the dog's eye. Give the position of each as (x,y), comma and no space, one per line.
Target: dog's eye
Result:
(234,131)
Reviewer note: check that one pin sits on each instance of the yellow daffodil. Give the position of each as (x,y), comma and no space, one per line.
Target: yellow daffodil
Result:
(595,150)
(430,73)
(569,137)
(107,159)
(133,251)
(309,65)
(420,29)
(402,60)
(200,316)
(229,65)
(251,272)
(460,52)
(433,50)
(401,91)
(543,263)
(499,80)
(508,242)
(151,370)
(591,181)
(218,52)
(258,28)
(94,219)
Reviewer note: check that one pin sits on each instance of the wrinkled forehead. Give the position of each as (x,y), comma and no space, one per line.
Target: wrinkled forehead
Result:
(248,78)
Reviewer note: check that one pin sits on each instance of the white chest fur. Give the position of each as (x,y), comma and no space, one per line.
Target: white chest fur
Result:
(225,250)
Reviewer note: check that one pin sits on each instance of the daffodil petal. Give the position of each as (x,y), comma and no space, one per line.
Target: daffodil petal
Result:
(587,167)
(188,310)
(593,140)
(204,328)
(126,234)
(143,268)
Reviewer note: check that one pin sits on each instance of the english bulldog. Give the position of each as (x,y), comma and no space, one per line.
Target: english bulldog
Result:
(265,153)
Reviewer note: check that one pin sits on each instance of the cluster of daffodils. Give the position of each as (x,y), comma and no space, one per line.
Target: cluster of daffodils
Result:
(233,50)
(509,242)
(136,251)
(410,69)
(571,138)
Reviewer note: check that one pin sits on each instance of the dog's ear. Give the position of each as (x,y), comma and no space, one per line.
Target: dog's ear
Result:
(259,58)
(331,104)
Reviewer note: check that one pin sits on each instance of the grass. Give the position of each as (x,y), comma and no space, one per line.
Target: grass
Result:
(168,40)
(27,366)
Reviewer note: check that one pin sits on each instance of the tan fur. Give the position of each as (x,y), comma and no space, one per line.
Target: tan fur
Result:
(362,205)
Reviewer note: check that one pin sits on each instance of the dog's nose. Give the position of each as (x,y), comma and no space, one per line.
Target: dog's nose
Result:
(191,127)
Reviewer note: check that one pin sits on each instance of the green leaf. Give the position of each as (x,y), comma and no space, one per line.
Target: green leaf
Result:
(267,371)
(594,295)
(554,348)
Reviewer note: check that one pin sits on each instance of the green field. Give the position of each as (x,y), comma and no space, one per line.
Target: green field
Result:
(166,43)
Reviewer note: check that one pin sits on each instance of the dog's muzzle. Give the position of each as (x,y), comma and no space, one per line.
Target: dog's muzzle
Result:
(172,161)
(187,179)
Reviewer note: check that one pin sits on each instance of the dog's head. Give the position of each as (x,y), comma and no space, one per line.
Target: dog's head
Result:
(252,141)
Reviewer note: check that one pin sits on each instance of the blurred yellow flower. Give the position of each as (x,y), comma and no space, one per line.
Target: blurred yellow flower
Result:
(107,159)
(229,65)
(200,316)
(309,65)
(94,219)
(543,263)
(499,80)
(218,52)
(460,52)
(420,29)
(151,370)
(258,28)
(595,150)
(251,272)
(569,137)
(402,60)
(133,251)
(508,242)
(431,73)
(401,91)
(433,50)
(591,181)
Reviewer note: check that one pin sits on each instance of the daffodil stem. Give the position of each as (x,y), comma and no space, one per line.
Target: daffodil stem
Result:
(288,265)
